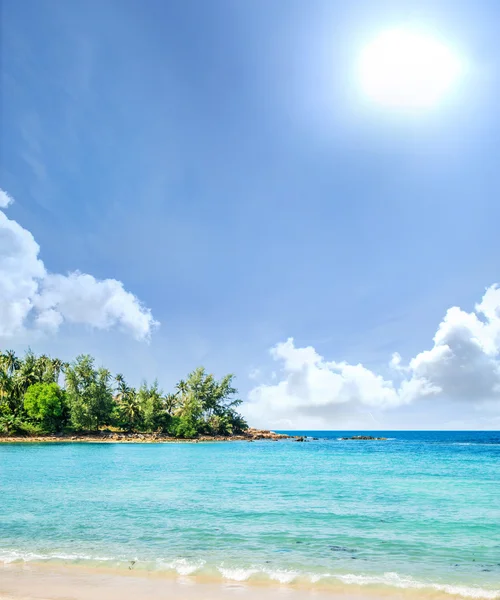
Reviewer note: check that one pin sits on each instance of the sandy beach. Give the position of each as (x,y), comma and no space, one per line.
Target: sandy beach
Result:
(51,582)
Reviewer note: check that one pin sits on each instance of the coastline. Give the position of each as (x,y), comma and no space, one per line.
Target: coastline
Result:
(113,437)
(38,581)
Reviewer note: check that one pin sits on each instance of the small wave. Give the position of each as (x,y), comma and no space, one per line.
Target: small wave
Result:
(237,574)
(283,576)
(10,556)
(185,567)
(182,566)
(315,577)
(395,580)
(474,444)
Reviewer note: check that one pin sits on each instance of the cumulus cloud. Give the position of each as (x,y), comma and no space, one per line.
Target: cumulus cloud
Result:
(30,297)
(463,364)
(20,274)
(5,199)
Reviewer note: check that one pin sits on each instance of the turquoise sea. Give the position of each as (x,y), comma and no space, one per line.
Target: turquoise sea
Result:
(421,510)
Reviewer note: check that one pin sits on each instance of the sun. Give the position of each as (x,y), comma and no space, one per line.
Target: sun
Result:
(405,69)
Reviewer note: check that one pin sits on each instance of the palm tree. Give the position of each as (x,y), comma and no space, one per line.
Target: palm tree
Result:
(57,367)
(130,409)
(6,385)
(171,403)
(122,389)
(11,362)
(28,374)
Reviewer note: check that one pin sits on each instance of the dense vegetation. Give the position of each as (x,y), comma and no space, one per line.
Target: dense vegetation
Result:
(39,394)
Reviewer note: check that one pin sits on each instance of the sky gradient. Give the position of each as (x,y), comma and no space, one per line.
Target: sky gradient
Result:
(205,181)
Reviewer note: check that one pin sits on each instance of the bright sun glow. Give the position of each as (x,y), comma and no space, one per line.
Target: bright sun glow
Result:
(407,70)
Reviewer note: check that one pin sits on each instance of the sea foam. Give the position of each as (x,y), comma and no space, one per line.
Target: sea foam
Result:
(237,574)
(10,556)
(396,580)
(281,575)
(182,566)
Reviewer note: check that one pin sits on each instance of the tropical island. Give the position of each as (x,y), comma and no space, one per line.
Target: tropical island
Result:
(44,398)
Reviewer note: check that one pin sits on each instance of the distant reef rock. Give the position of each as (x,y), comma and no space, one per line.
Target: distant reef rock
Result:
(363,437)
(263,434)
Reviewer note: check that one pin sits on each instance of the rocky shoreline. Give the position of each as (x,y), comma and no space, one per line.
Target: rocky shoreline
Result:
(108,436)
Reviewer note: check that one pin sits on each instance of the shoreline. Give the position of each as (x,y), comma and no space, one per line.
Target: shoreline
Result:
(38,581)
(115,437)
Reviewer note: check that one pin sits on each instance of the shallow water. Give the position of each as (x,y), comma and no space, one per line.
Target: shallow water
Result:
(420,510)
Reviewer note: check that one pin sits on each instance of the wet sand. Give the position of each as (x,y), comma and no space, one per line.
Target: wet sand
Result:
(50,582)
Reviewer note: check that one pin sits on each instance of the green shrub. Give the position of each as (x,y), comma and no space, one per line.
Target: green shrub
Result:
(45,404)
(12,425)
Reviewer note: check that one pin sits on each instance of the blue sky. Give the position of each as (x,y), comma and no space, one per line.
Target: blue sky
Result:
(218,159)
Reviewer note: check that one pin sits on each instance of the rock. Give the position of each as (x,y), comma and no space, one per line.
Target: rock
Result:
(263,434)
(341,549)
(106,435)
(300,438)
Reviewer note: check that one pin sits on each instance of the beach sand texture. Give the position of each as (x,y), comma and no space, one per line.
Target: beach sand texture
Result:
(42,582)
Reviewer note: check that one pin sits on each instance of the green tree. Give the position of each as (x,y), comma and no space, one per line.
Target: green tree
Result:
(10,362)
(89,393)
(127,410)
(45,403)
(171,404)
(30,398)
(207,405)
(155,412)
(188,421)
(6,389)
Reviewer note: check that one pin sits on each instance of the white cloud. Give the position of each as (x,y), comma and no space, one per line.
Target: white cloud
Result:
(463,364)
(5,199)
(80,298)
(31,297)
(20,274)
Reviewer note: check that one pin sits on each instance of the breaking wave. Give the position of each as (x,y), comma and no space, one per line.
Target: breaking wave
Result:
(184,567)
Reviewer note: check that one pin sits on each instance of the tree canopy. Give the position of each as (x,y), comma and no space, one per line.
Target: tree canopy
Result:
(39,394)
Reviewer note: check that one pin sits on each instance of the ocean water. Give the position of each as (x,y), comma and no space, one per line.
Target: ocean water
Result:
(419,511)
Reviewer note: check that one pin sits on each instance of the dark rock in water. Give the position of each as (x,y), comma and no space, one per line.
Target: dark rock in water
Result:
(363,437)
(341,549)
(315,438)
(300,438)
